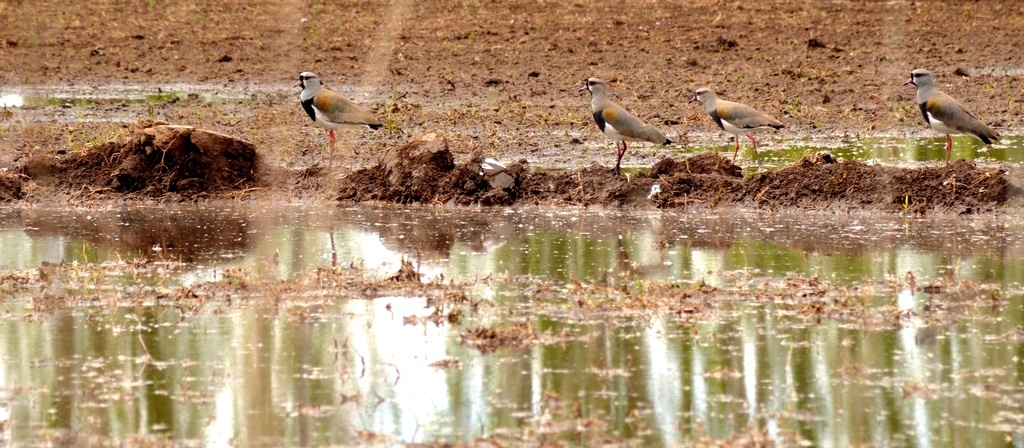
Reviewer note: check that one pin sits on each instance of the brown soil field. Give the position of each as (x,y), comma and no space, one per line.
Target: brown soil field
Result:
(500,79)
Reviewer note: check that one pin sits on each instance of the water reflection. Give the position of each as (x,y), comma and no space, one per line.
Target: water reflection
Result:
(347,371)
(597,246)
(256,376)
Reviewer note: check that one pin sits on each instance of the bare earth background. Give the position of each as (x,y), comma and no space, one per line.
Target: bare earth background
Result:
(502,76)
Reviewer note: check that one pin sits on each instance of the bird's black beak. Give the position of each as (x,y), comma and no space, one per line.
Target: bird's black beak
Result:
(910,81)
(585,87)
(692,99)
(299,84)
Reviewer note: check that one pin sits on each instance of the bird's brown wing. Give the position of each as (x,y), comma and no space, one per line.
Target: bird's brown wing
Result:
(338,109)
(745,117)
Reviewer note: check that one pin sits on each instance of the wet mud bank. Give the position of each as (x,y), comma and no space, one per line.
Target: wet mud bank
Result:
(424,171)
(160,161)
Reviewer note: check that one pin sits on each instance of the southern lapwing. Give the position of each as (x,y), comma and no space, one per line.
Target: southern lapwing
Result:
(945,114)
(330,110)
(617,123)
(735,118)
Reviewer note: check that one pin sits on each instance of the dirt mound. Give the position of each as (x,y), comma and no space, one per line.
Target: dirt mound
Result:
(958,187)
(157,160)
(707,163)
(424,172)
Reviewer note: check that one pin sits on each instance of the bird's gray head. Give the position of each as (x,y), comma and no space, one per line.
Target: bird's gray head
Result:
(920,78)
(593,85)
(704,95)
(308,81)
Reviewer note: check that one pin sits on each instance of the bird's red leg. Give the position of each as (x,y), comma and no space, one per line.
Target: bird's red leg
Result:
(618,161)
(756,155)
(949,147)
(737,152)
(330,155)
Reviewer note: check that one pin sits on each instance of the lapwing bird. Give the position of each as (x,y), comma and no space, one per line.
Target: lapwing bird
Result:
(617,123)
(330,110)
(945,114)
(735,118)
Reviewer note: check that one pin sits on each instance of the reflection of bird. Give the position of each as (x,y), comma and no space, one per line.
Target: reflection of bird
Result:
(617,123)
(330,110)
(735,118)
(945,114)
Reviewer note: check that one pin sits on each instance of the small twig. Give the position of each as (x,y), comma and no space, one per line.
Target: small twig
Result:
(760,196)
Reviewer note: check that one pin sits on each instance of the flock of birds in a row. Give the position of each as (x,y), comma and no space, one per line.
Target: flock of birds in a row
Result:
(330,110)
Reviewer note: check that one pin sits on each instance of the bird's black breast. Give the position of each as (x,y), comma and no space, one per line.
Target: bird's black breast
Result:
(308,106)
(718,120)
(599,119)
(924,112)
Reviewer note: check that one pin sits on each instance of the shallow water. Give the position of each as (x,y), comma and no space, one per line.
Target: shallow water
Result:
(348,370)
(112,103)
(909,150)
(40,97)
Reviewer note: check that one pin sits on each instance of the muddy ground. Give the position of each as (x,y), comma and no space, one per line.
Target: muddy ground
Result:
(424,171)
(500,79)
(169,162)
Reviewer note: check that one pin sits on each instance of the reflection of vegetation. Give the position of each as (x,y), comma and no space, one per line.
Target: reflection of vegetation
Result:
(649,362)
